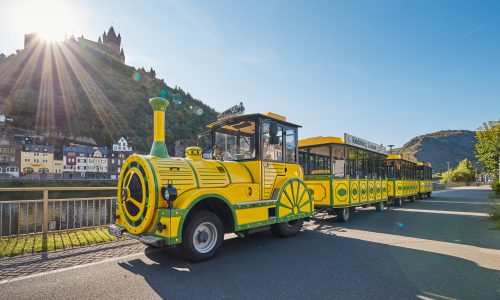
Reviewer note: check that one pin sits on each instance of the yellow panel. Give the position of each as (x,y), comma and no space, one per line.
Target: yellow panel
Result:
(340,192)
(275,116)
(378,189)
(250,215)
(321,191)
(363,187)
(371,190)
(354,189)
(385,185)
(271,170)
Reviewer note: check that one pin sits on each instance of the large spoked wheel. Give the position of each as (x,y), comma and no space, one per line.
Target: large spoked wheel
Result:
(287,229)
(398,202)
(379,206)
(343,214)
(202,236)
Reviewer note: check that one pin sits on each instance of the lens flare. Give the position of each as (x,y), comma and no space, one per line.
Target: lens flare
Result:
(136,76)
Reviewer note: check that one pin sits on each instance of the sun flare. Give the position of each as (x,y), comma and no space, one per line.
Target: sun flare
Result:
(51,20)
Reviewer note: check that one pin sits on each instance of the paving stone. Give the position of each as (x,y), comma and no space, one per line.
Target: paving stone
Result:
(24,265)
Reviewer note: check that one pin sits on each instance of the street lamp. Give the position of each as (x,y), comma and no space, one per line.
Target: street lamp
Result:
(390,148)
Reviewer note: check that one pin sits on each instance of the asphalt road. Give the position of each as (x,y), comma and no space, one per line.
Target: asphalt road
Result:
(438,248)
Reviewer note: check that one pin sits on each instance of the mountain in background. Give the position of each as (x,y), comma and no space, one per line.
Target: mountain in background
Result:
(79,90)
(441,147)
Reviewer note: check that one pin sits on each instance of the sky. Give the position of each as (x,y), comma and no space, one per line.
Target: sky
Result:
(385,71)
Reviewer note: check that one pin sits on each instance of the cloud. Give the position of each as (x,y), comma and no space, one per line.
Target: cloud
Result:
(472,32)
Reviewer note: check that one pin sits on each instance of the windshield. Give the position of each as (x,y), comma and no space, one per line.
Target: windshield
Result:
(235,141)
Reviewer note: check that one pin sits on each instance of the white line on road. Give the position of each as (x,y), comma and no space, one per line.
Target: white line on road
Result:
(484,257)
(445,212)
(457,202)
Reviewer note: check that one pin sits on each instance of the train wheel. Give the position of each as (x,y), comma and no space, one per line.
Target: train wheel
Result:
(379,206)
(398,202)
(287,229)
(202,236)
(412,198)
(429,194)
(343,214)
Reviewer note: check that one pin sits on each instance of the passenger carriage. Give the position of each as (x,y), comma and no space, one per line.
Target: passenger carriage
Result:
(402,180)
(344,173)
(253,183)
(424,176)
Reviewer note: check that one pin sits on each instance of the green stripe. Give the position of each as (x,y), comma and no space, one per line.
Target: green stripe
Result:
(248,170)
(195,174)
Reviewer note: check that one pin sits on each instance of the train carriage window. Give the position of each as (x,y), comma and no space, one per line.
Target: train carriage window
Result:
(383,167)
(338,161)
(361,169)
(319,160)
(291,145)
(352,162)
(303,159)
(369,164)
(235,141)
(397,169)
(272,141)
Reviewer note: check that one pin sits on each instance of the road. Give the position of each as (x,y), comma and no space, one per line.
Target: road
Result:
(438,248)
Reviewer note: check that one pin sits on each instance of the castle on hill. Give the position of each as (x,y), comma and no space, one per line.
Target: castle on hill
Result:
(108,45)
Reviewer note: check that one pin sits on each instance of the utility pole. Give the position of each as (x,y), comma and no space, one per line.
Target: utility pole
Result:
(448,180)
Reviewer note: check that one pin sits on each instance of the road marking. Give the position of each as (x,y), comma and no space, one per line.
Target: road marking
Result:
(457,202)
(445,212)
(484,257)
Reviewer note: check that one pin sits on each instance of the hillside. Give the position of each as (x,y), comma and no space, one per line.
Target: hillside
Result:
(70,91)
(441,147)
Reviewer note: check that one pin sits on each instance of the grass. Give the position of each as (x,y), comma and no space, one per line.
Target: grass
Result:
(12,246)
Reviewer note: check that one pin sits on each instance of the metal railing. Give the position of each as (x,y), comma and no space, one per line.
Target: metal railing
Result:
(25,217)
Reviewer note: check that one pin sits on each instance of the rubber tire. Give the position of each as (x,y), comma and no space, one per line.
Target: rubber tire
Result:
(412,198)
(187,248)
(429,194)
(398,202)
(285,230)
(379,206)
(343,214)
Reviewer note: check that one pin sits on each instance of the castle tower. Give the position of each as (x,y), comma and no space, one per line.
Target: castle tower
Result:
(122,56)
(111,41)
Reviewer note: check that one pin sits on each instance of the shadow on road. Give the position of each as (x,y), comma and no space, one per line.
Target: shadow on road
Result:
(312,265)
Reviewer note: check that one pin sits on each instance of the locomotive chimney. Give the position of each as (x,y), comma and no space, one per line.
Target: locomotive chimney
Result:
(159,149)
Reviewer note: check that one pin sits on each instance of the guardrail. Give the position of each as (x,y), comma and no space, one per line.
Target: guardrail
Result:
(25,217)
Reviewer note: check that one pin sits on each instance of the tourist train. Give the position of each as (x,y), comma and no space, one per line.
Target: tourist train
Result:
(260,177)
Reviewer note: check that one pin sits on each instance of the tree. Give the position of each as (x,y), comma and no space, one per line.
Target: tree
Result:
(464,172)
(488,146)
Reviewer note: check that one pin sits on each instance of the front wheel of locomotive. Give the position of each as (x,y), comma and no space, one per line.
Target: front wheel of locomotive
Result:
(202,236)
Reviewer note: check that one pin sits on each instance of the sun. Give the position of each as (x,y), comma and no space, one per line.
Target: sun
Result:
(51,20)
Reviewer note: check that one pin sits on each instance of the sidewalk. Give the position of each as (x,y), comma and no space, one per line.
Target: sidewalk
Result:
(19,266)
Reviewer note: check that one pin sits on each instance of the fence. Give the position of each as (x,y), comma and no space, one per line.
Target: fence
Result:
(25,217)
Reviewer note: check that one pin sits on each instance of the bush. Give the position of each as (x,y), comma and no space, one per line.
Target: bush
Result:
(496,188)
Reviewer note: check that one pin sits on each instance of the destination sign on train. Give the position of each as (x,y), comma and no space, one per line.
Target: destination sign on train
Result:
(362,143)
(231,112)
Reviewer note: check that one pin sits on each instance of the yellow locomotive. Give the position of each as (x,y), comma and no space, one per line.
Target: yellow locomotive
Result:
(253,183)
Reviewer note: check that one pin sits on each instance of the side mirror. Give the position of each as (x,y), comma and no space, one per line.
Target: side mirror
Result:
(273,129)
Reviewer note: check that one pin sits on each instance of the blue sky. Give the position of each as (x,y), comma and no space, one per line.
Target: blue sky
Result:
(383,70)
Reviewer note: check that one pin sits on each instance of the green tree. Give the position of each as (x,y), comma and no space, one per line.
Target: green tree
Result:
(488,146)
(464,172)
